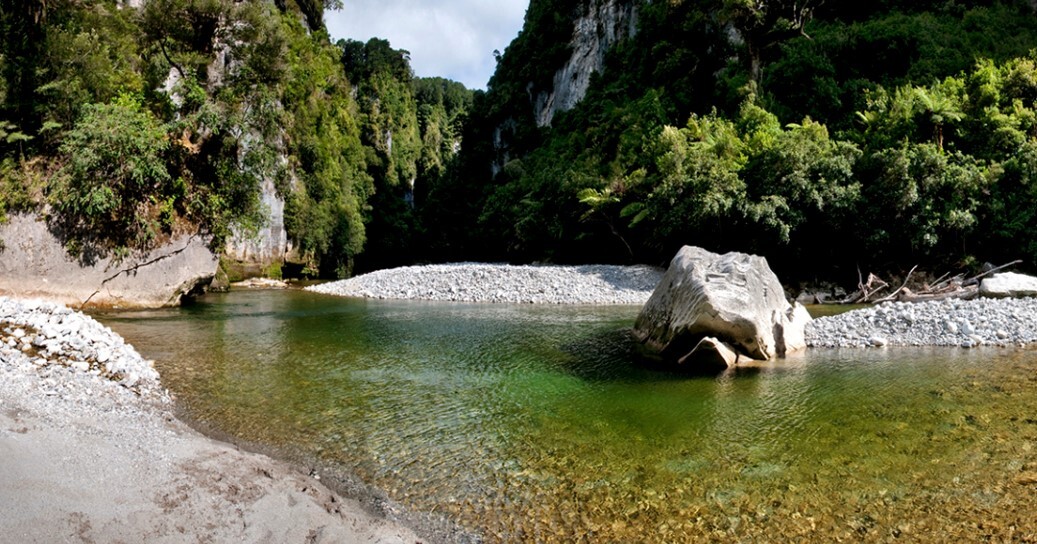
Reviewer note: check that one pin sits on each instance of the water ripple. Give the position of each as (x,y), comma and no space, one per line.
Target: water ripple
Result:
(540,424)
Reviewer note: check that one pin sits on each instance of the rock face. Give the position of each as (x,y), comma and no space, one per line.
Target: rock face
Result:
(734,298)
(1008,285)
(602,25)
(34,263)
(254,255)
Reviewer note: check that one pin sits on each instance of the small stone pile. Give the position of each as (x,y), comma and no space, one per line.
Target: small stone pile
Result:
(964,323)
(473,282)
(47,335)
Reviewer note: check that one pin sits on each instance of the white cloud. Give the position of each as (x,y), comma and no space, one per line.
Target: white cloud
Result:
(448,38)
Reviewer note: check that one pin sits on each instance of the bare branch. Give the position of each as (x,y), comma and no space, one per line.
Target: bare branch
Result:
(991,271)
(893,296)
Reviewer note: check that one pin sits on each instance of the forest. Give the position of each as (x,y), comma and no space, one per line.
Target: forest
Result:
(826,136)
(831,137)
(125,125)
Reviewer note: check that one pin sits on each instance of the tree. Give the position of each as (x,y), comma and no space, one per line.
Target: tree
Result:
(764,23)
(114,175)
(939,108)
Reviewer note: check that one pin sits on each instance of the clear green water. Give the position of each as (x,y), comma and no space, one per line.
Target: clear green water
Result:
(532,423)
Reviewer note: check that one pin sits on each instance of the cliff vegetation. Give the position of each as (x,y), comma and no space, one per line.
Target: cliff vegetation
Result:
(126,122)
(877,136)
(880,135)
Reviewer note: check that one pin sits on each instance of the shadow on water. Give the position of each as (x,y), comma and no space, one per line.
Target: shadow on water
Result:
(618,356)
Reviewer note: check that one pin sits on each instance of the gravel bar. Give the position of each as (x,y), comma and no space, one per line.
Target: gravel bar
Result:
(531,284)
(961,323)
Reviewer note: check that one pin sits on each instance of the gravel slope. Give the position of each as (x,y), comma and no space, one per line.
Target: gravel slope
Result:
(964,323)
(475,282)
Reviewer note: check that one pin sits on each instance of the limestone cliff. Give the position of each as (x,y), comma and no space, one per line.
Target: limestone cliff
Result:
(35,263)
(548,68)
(248,254)
(256,254)
(600,25)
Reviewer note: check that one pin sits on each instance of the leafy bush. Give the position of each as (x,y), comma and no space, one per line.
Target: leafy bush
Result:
(115,167)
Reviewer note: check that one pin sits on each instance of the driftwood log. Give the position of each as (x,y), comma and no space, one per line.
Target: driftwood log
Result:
(874,290)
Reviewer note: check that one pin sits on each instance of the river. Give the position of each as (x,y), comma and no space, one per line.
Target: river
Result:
(538,424)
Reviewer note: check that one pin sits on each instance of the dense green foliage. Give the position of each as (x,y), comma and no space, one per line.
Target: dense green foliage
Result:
(877,135)
(411,133)
(323,214)
(132,131)
(880,135)
(127,126)
(115,153)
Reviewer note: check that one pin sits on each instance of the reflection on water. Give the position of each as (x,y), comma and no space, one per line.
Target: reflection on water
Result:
(531,423)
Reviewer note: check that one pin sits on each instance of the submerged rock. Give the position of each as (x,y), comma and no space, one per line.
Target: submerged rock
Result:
(260,283)
(734,298)
(710,354)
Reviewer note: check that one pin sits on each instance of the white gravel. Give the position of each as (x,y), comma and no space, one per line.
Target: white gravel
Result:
(967,324)
(50,339)
(475,282)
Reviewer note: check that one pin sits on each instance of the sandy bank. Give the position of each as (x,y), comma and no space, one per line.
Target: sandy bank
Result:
(84,458)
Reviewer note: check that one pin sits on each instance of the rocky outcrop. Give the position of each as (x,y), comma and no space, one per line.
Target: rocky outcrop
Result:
(1008,285)
(256,254)
(35,263)
(603,24)
(733,299)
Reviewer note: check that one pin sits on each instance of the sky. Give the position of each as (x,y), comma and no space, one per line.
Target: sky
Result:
(454,39)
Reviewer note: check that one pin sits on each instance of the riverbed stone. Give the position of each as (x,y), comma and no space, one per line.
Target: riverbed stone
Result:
(710,354)
(1009,285)
(1008,321)
(734,297)
(56,345)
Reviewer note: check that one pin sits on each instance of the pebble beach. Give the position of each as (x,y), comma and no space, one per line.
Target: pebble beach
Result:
(528,284)
(956,323)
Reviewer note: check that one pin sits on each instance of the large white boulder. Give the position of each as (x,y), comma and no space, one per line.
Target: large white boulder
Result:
(35,264)
(1008,285)
(734,297)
